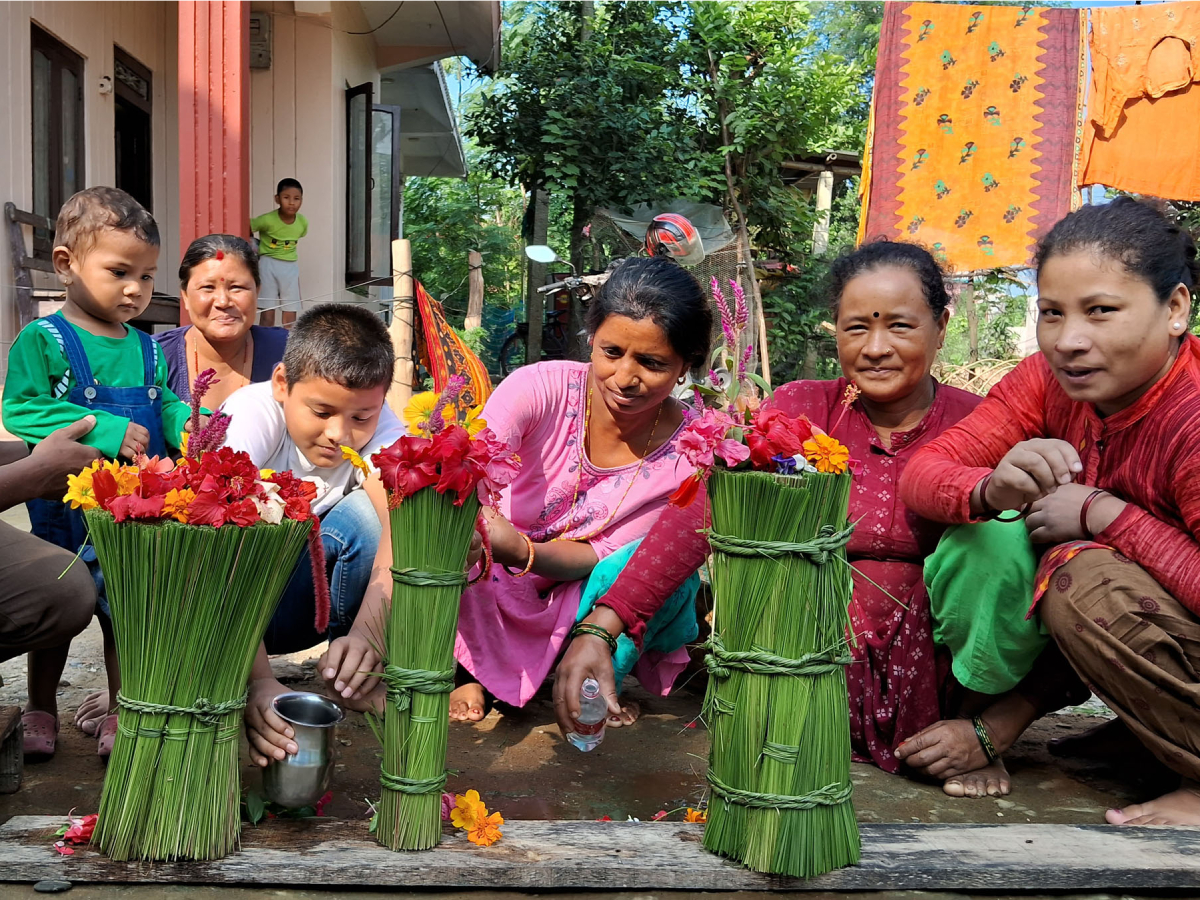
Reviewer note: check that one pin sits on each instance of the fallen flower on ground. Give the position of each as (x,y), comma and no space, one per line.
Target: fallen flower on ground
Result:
(487,832)
(696,815)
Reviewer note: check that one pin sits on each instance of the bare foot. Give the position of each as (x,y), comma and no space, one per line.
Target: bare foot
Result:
(92,712)
(630,711)
(466,702)
(990,781)
(1181,807)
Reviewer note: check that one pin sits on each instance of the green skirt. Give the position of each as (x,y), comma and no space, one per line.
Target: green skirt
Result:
(980,582)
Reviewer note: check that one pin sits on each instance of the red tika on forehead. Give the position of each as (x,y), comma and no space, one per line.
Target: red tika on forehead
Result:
(220,255)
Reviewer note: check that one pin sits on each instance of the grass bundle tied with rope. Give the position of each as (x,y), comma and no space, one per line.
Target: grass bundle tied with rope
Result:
(434,479)
(779,769)
(190,606)
(430,540)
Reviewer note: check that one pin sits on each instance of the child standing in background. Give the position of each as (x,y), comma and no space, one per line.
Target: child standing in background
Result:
(86,361)
(278,233)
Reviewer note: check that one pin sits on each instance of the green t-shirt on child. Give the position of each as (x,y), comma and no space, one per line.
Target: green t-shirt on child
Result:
(276,238)
(35,398)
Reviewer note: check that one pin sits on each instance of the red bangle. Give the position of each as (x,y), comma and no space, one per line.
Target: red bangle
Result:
(996,515)
(1083,511)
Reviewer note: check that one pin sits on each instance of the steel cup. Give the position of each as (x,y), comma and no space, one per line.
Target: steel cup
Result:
(302,778)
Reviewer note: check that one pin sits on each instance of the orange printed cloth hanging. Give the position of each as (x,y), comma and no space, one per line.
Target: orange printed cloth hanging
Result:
(976,118)
(1143,125)
(444,353)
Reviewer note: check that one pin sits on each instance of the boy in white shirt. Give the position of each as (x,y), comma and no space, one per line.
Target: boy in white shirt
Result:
(328,393)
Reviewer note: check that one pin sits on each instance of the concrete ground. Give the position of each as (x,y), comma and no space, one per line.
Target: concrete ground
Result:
(523,769)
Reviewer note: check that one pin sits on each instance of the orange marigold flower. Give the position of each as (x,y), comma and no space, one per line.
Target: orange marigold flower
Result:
(127,477)
(468,810)
(827,454)
(177,504)
(696,815)
(487,831)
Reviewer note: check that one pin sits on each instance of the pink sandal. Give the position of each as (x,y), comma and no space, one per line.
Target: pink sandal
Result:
(108,734)
(41,734)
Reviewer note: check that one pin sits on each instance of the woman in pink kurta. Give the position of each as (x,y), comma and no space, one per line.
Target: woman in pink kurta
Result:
(598,462)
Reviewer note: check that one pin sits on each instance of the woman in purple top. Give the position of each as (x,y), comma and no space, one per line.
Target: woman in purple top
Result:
(219,281)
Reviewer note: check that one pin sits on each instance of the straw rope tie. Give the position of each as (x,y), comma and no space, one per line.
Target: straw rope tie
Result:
(830,795)
(818,551)
(417,578)
(720,662)
(412,785)
(784,753)
(204,709)
(403,683)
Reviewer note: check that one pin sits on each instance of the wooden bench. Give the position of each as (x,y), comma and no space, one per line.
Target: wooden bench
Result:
(34,302)
(12,757)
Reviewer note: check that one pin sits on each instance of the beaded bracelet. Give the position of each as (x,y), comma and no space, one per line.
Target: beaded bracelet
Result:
(595,631)
(528,563)
(1083,513)
(989,749)
(997,515)
(485,567)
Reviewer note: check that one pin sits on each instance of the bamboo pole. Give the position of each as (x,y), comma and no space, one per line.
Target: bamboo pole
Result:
(402,327)
(475,296)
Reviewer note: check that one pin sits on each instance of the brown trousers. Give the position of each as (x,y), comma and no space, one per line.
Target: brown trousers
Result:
(38,609)
(1136,647)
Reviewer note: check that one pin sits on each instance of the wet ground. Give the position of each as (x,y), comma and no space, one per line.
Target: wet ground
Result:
(520,765)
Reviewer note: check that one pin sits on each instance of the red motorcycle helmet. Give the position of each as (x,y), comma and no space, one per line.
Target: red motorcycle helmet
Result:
(671,234)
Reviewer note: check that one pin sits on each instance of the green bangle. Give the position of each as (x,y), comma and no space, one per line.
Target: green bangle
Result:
(595,631)
(989,749)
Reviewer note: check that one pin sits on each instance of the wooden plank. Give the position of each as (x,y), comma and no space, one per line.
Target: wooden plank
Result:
(12,757)
(644,856)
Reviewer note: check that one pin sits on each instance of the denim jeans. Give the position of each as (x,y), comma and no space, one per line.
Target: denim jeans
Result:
(350,532)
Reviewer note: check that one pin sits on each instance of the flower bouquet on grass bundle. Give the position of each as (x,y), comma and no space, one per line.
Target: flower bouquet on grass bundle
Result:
(195,555)
(779,767)
(432,479)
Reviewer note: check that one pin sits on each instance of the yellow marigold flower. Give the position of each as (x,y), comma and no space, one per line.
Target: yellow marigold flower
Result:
(487,832)
(468,810)
(79,490)
(696,815)
(127,477)
(827,454)
(349,453)
(177,504)
(419,411)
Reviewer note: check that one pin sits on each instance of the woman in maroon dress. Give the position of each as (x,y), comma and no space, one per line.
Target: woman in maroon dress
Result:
(891,309)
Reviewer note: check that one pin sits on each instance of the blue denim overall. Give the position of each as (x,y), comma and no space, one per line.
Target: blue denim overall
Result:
(53,520)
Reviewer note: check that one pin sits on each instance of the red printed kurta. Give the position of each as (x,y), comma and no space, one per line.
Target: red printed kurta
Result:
(1147,454)
(894,682)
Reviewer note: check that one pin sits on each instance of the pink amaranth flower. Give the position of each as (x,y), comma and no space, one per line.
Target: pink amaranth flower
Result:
(726,317)
(454,387)
(745,361)
(741,314)
(210,437)
(204,380)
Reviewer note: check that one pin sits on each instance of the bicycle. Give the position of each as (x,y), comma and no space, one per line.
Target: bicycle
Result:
(555,340)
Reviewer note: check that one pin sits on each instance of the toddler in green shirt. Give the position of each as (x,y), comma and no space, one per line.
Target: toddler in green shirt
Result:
(278,233)
(86,361)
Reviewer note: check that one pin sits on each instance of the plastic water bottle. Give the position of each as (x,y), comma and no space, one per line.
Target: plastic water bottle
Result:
(593,713)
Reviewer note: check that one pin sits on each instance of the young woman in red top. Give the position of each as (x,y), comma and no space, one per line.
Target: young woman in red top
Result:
(1097,439)
(891,313)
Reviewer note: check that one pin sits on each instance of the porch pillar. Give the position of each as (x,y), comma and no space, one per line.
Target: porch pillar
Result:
(214,118)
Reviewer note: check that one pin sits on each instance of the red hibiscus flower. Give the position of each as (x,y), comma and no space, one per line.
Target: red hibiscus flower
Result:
(242,512)
(208,509)
(298,508)
(104,487)
(131,506)
(773,433)
(407,465)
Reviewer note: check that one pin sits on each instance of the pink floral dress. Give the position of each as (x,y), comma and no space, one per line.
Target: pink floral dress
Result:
(511,630)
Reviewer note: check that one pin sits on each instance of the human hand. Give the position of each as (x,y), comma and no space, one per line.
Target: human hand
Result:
(586,657)
(508,547)
(137,439)
(269,736)
(187,426)
(60,455)
(476,552)
(1030,471)
(1055,518)
(351,665)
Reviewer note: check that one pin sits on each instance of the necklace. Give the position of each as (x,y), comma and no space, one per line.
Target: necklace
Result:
(239,369)
(587,417)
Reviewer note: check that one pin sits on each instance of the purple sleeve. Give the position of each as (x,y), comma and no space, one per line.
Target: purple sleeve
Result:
(174,351)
